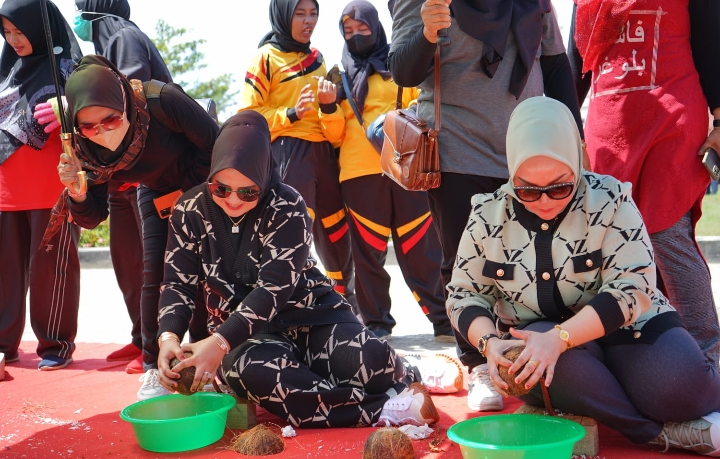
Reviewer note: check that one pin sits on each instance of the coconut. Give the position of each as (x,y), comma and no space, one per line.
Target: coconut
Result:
(514,388)
(186,376)
(388,443)
(258,441)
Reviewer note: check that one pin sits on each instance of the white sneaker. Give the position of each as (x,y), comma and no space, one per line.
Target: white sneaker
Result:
(701,435)
(151,386)
(482,395)
(412,406)
(440,373)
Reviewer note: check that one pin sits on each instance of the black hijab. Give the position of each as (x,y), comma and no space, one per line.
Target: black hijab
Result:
(108,26)
(243,144)
(490,21)
(360,67)
(97,82)
(27,81)
(281,15)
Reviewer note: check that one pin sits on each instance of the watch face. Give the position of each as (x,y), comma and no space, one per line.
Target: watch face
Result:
(564,335)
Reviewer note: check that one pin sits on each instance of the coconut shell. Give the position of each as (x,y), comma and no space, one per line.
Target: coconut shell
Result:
(388,443)
(258,441)
(186,376)
(514,388)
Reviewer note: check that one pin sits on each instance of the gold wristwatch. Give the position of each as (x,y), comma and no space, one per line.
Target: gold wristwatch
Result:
(483,342)
(565,336)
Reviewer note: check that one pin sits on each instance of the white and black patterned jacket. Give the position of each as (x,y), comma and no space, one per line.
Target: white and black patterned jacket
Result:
(513,266)
(270,284)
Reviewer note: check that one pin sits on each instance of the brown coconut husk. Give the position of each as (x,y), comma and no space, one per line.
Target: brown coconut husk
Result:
(388,443)
(514,388)
(258,441)
(186,376)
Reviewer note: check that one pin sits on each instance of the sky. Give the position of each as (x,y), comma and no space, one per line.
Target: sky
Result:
(233,28)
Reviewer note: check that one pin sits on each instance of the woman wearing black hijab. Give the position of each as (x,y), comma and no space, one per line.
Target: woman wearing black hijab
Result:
(285,83)
(282,337)
(107,24)
(378,206)
(29,187)
(501,53)
(118,137)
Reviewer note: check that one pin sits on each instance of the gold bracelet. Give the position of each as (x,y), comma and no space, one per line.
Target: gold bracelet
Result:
(164,336)
(222,342)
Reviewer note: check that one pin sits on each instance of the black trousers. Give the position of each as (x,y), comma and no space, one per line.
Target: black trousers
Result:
(450,207)
(155,234)
(126,251)
(378,208)
(51,274)
(311,168)
(319,376)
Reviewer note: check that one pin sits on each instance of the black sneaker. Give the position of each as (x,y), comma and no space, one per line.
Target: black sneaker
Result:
(380,333)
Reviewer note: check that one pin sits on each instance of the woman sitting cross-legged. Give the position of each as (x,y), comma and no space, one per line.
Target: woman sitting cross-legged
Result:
(282,337)
(560,259)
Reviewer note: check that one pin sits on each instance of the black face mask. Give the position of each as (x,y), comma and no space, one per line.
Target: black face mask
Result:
(361,45)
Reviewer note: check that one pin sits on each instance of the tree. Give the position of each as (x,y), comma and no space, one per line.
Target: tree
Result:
(183,58)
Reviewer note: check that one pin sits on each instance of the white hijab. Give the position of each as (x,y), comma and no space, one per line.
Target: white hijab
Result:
(542,126)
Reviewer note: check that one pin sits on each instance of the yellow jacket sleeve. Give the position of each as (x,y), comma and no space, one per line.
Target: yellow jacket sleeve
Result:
(256,91)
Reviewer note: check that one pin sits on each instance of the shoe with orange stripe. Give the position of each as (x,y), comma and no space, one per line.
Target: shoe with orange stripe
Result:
(412,406)
(441,374)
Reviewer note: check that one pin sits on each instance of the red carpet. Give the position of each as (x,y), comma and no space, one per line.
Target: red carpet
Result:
(74,413)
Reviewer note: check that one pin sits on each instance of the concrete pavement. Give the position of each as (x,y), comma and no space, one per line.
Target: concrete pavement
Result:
(104,319)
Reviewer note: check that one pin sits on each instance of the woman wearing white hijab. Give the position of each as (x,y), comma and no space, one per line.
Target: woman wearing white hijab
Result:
(559,258)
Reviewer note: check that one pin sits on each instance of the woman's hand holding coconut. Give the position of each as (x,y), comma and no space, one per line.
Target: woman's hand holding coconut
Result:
(206,357)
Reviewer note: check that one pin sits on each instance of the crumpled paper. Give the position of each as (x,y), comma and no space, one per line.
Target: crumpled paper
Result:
(288,432)
(416,432)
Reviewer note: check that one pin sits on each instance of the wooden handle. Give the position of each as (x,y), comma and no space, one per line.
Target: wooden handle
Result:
(80,187)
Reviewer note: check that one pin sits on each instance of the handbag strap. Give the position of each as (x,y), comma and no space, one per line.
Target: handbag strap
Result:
(436,90)
(348,95)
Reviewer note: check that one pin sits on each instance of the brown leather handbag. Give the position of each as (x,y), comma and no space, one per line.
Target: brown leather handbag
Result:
(410,155)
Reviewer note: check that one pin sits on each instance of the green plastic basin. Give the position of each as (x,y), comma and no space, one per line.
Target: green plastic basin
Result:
(516,436)
(174,423)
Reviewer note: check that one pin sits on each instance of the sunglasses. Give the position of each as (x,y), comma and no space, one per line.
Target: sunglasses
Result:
(223,192)
(87,130)
(110,123)
(533,193)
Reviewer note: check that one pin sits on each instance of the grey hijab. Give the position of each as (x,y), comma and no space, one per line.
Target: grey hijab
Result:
(542,126)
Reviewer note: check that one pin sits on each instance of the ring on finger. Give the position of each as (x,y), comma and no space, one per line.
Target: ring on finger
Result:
(208,375)
(533,363)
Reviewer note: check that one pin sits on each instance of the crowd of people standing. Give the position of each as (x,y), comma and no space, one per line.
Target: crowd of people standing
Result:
(574,237)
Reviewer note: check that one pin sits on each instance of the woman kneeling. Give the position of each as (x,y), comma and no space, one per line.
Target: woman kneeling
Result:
(560,259)
(281,336)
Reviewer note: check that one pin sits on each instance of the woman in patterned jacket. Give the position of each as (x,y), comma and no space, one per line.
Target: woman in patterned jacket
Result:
(281,335)
(559,258)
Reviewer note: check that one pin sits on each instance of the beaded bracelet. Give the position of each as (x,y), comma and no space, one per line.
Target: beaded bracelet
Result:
(222,342)
(74,195)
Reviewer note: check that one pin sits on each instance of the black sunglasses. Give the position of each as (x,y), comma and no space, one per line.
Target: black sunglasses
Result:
(533,193)
(223,192)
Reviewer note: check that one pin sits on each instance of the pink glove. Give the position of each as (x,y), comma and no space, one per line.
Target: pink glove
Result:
(47,113)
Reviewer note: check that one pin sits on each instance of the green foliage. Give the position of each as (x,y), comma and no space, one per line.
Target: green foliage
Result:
(709,223)
(184,58)
(96,237)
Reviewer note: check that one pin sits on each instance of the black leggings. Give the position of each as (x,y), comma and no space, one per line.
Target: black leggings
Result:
(320,376)
(154,235)
(633,388)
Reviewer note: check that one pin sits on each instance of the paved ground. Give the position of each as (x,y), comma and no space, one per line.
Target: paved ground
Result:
(103,318)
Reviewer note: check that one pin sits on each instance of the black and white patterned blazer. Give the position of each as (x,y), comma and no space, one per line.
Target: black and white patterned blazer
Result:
(516,268)
(270,284)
